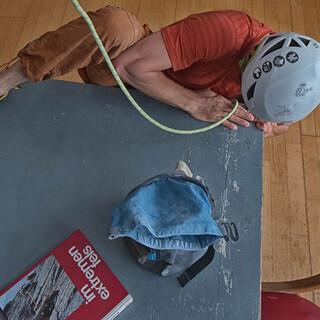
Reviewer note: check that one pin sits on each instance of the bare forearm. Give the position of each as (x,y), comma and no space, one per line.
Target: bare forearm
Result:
(160,87)
(142,66)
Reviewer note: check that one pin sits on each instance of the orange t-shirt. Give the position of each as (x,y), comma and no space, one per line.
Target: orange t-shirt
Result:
(205,49)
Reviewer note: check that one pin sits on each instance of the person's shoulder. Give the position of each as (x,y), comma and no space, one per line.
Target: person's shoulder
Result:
(239,18)
(230,14)
(235,20)
(245,24)
(225,18)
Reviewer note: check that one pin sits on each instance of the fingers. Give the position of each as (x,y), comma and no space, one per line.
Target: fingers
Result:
(233,121)
(276,130)
(266,127)
(238,120)
(244,114)
(271,129)
(261,125)
(241,116)
(280,129)
(215,108)
(230,125)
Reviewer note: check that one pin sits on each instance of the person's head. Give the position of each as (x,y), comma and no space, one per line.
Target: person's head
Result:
(281,83)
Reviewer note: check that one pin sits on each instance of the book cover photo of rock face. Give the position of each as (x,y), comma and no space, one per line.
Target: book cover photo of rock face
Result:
(46,293)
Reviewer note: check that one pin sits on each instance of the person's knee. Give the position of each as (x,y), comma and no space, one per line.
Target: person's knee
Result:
(111,21)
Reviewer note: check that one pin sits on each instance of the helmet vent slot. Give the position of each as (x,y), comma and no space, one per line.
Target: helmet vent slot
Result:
(294,43)
(275,47)
(270,39)
(305,41)
(250,92)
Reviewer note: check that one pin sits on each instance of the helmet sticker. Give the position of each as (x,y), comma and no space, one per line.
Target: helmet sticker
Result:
(292,57)
(303,90)
(281,111)
(267,66)
(279,61)
(257,73)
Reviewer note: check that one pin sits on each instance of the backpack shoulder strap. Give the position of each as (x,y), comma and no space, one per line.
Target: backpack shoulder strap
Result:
(197,267)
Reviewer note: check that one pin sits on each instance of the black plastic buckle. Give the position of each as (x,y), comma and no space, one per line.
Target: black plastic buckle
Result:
(231,230)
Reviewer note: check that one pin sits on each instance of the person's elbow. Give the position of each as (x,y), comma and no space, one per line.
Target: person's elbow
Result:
(121,69)
(134,73)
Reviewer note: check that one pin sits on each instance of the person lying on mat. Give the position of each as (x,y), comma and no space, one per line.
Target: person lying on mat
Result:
(199,64)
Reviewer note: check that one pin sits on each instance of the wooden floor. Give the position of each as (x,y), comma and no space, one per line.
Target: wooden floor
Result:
(291,213)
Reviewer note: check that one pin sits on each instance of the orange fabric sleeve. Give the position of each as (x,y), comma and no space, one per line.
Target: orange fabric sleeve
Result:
(199,38)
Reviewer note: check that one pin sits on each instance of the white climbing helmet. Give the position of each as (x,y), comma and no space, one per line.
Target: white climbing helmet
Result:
(281,83)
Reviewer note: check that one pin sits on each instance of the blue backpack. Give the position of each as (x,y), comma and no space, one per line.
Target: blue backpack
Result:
(169,227)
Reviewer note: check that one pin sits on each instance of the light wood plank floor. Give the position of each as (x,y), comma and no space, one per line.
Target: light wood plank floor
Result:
(291,219)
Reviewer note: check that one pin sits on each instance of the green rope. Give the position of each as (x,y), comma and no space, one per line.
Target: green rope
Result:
(127,93)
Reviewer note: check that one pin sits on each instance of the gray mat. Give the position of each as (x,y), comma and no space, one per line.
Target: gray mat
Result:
(69,152)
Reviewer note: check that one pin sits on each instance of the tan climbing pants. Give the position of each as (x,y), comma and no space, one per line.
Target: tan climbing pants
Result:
(72,47)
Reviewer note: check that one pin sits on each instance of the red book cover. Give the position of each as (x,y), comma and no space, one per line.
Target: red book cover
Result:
(72,282)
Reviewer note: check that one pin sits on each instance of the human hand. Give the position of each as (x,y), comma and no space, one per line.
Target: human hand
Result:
(271,129)
(214,107)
